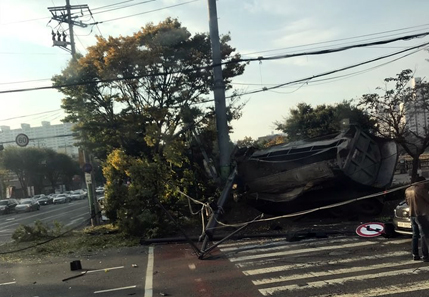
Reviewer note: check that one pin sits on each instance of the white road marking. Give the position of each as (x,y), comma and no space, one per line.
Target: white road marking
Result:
(148,287)
(266,247)
(301,251)
(244,242)
(383,291)
(341,281)
(115,289)
(305,265)
(9,283)
(330,272)
(104,269)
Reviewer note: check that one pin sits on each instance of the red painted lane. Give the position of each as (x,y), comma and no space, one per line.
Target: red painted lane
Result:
(179,272)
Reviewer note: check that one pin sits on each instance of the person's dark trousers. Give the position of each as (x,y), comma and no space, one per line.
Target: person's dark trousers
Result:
(423,223)
(416,237)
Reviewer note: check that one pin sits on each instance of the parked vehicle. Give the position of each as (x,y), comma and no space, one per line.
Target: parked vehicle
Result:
(37,197)
(401,219)
(27,205)
(99,191)
(77,195)
(46,200)
(8,205)
(61,198)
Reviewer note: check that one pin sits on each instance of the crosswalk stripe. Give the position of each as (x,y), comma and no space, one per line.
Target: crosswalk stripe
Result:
(319,263)
(330,272)
(301,251)
(247,242)
(282,245)
(340,281)
(384,291)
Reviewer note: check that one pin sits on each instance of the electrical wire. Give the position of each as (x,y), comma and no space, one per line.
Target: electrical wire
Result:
(110,5)
(326,73)
(333,50)
(328,51)
(335,40)
(206,67)
(29,115)
(141,13)
(122,7)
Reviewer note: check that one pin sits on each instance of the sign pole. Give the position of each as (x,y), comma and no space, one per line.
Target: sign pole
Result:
(92,199)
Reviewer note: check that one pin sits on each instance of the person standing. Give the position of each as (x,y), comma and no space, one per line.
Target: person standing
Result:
(417,197)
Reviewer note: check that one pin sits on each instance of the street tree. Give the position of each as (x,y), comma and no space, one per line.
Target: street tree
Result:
(58,168)
(137,88)
(33,165)
(26,164)
(135,94)
(306,122)
(396,108)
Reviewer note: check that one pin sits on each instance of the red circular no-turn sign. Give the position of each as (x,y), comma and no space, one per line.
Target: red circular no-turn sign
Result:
(22,140)
(370,229)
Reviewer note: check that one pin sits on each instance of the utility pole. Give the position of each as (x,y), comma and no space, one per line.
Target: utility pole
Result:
(221,124)
(63,14)
(219,94)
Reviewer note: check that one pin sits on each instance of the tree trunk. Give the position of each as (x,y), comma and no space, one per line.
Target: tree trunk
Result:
(415,167)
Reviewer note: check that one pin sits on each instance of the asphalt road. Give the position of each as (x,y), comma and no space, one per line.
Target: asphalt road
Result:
(70,214)
(346,266)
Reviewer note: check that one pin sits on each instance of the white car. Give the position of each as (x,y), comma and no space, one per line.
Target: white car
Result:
(61,198)
(78,195)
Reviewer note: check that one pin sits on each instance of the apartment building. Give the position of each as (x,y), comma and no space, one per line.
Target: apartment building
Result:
(57,137)
(416,115)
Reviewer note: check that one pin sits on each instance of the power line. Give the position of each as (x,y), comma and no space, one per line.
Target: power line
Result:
(114,4)
(122,7)
(336,78)
(335,40)
(238,61)
(128,16)
(29,115)
(330,72)
(24,21)
(329,51)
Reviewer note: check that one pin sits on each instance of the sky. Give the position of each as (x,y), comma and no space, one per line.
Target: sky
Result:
(257,28)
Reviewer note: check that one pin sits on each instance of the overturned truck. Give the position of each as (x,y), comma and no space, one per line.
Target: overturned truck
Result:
(303,175)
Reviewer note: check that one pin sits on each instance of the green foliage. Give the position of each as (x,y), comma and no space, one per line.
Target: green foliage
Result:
(133,207)
(308,122)
(33,165)
(164,72)
(39,231)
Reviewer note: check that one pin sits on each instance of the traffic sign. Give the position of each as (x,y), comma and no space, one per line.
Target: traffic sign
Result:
(22,140)
(370,229)
(88,178)
(87,168)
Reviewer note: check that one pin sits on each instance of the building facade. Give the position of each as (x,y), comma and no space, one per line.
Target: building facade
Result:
(57,137)
(416,115)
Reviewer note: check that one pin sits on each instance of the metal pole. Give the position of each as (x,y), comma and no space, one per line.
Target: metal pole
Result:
(69,20)
(92,199)
(219,93)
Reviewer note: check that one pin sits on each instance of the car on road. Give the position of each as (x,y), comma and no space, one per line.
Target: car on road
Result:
(78,195)
(46,200)
(27,205)
(401,219)
(37,197)
(61,198)
(99,191)
(8,205)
